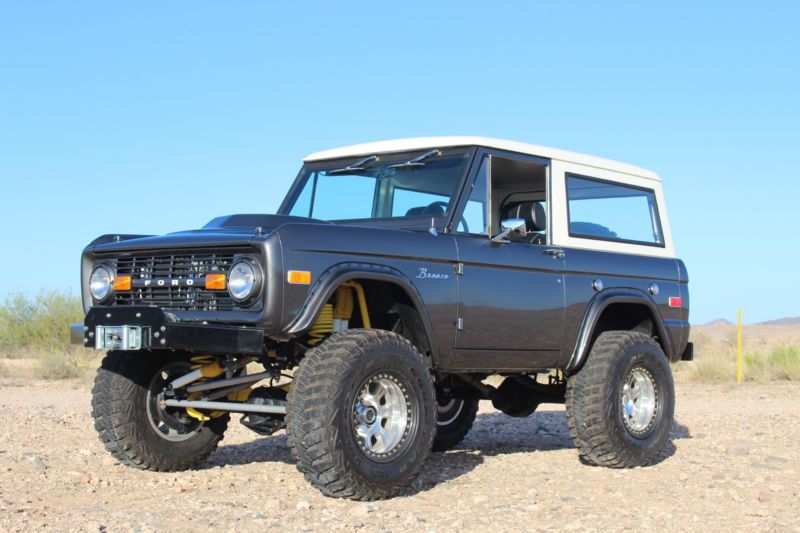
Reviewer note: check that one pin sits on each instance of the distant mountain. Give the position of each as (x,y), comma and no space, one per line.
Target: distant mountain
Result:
(786,321)
(719,322)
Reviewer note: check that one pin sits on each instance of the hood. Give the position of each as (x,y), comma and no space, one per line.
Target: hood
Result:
(225,231)
(249,223)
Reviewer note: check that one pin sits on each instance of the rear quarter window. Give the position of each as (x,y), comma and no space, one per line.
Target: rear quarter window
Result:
(609,211)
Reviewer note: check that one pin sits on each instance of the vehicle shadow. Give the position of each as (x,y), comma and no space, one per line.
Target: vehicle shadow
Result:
(491,435)
(500,434)
(274,449)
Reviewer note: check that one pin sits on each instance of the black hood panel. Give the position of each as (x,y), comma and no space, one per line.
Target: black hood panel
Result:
(251,222)
(227,231)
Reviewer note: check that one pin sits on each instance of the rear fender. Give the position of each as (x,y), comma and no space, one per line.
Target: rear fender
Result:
(594,312)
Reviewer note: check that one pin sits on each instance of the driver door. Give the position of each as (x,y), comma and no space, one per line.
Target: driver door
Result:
(511,294)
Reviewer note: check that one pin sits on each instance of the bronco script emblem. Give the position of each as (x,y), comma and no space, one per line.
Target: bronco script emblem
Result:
(424,274)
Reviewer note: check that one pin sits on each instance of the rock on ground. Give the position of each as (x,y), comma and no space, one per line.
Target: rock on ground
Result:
(733,464)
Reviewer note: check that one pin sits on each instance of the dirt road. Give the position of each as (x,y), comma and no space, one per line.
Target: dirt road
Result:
(734,464)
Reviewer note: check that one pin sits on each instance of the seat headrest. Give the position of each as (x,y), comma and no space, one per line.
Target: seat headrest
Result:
(533,213)
(428,210)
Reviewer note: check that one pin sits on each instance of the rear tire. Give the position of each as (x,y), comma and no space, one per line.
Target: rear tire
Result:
(122,407)
(454,419)
(620,405)
(361,414)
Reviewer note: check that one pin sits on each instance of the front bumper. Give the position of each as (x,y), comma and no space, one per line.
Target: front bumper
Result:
(161,330)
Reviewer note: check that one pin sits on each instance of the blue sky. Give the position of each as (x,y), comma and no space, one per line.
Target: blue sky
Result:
(156,117)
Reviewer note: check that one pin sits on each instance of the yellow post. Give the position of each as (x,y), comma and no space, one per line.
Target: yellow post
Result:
(739,348)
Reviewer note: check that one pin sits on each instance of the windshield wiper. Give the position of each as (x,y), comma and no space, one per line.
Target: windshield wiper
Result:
(417,161)
(358,166)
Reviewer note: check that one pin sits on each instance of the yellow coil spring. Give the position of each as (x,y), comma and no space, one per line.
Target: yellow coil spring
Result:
(323,326)
(201,360)
(344,303)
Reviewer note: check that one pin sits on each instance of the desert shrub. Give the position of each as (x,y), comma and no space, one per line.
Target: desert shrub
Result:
(785,363)
(717,362)
(65,364)
(39,323)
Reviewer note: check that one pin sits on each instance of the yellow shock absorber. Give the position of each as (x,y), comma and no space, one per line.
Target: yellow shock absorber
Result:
(362,302)
(323,326)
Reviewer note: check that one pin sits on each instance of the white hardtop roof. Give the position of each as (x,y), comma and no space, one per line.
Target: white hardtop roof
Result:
(419,143)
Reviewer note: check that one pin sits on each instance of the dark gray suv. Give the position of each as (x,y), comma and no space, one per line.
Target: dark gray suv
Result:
(366,316)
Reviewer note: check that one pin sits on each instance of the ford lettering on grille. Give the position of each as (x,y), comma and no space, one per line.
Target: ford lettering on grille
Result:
(168,282)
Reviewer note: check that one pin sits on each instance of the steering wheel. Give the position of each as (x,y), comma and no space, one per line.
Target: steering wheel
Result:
(444,205)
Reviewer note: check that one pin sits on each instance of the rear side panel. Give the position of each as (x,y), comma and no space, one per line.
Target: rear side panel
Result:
(647,275)
(591,265)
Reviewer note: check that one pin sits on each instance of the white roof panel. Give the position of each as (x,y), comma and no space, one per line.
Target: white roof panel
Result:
(419,143)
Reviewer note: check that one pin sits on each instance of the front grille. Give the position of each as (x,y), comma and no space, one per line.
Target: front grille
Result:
(181,265)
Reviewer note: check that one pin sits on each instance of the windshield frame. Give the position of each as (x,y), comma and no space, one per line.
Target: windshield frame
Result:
(413,221)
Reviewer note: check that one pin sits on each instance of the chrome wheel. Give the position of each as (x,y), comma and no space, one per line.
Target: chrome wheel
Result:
(639,401)
(382,417)
(170,423)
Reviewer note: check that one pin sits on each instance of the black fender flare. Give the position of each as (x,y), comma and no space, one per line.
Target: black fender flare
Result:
(327,283)
(597,305)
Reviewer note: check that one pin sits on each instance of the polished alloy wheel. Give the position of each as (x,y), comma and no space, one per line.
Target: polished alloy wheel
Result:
(382,416)
(639,401)
(171,423)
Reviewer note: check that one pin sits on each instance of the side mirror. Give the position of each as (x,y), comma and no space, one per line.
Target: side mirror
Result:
(511,226)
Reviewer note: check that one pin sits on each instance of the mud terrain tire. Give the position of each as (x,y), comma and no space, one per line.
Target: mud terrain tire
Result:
(595,397)
(326,409)
(119,409)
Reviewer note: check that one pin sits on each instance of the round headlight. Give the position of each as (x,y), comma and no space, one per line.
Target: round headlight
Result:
(100,283)
(244,280)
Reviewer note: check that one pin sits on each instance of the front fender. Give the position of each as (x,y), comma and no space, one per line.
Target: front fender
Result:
(332,278)
(595,310)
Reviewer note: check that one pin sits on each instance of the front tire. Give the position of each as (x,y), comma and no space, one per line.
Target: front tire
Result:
(132,426)
(620,405)
(361,414)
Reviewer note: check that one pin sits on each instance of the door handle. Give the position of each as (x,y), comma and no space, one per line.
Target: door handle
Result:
(555,252)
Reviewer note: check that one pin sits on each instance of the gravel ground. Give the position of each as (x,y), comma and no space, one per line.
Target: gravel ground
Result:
(733,464)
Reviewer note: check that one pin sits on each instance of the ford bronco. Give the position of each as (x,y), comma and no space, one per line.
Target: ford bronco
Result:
(366,315)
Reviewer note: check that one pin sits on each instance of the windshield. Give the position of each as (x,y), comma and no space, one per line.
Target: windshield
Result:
(384,186)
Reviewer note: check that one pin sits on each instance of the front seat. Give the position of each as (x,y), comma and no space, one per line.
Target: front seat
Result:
(433,210)
(535,217)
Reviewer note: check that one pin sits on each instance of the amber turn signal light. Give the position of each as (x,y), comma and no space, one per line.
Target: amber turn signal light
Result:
(299,277)
(122,283)
(215,282)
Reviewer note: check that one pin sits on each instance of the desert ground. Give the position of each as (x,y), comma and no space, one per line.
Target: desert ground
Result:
(733,464)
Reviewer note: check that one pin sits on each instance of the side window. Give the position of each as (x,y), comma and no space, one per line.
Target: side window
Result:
(613,212)
(473,219)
